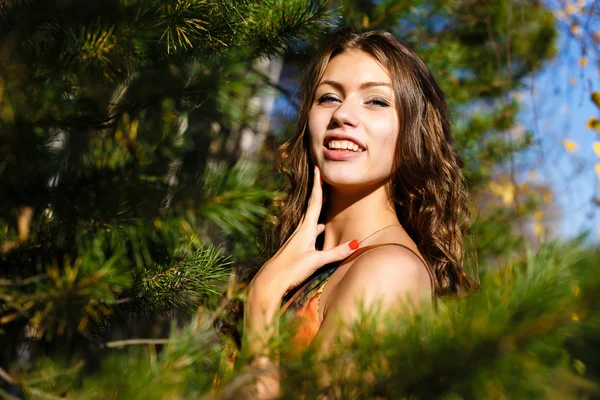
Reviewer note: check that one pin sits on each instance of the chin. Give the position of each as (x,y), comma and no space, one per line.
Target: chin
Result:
(347,179)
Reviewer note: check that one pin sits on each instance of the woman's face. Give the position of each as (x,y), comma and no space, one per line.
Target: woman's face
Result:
(353,123)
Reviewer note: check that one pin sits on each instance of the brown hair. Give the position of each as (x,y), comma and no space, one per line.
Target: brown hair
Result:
(427,187)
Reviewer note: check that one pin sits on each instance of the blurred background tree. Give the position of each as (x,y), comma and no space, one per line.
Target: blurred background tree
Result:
(479,52)
(137,140)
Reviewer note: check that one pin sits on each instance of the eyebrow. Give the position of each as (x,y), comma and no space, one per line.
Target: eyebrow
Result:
(364,85)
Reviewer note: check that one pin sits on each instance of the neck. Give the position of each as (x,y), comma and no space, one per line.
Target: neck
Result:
(356,214)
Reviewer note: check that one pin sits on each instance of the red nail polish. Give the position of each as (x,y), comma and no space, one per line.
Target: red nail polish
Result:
(353,244)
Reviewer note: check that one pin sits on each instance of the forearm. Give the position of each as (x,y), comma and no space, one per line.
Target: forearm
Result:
(260,319)
(261,327)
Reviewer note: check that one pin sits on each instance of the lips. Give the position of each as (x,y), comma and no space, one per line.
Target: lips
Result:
(343,155)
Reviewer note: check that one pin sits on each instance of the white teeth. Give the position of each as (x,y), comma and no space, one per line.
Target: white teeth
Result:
(344,145)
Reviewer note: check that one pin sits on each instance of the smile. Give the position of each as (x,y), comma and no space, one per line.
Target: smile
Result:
(344,145)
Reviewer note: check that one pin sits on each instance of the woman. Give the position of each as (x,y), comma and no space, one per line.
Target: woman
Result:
(376,207)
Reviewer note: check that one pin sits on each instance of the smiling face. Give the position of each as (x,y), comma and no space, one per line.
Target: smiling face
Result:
(353,123)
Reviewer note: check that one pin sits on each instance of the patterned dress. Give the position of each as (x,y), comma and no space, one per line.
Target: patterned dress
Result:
(304,302)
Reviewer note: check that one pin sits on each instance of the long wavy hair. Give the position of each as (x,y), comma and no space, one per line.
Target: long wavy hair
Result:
(427,187)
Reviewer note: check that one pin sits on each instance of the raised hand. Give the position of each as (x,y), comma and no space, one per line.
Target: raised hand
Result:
(291,265)
(297,259)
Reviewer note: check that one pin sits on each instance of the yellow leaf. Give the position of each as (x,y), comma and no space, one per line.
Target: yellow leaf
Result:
(596,147)
(504,190)
(596,98)
(547,197)
(570,9)
(538,215)
(575,29)
(365,21)
(597,169)
(590,123)
(575,317)
(570,145)
(538,229)
(582,62)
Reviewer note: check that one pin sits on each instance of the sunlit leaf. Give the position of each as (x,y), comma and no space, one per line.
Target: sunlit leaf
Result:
(538,216)
(596,98)
(583,61)
(365,21)
(569,145)
(538,229)
(596,147)
(592,123)
(569,9)
(504,190)
(575,28)
(597,169)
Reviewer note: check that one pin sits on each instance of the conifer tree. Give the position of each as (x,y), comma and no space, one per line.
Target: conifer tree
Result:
(123,195)
(113,203)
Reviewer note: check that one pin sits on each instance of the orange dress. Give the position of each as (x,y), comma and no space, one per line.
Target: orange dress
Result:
(304,302)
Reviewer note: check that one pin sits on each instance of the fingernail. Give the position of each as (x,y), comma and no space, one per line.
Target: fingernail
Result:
(353,244)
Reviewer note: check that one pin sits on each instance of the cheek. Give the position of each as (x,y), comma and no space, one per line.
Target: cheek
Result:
(314,130)
(388,133)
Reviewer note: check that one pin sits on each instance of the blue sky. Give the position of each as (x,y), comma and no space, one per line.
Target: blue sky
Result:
(556,106)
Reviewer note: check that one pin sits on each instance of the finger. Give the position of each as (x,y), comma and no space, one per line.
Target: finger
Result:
(316,199)
(320,229)
(289,239)
(339,252)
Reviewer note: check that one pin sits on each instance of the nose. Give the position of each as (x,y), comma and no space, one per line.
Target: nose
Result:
(344,115)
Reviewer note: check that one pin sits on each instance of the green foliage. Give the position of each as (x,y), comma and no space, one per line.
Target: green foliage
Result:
(528,333)
(114,204)
(120,200)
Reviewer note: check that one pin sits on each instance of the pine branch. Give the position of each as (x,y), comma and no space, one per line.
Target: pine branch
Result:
(232,200)
(184,284)
(129,342)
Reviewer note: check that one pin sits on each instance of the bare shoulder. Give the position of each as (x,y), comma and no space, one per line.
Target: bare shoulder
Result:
(385,262)
(387,273)
(385,276)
